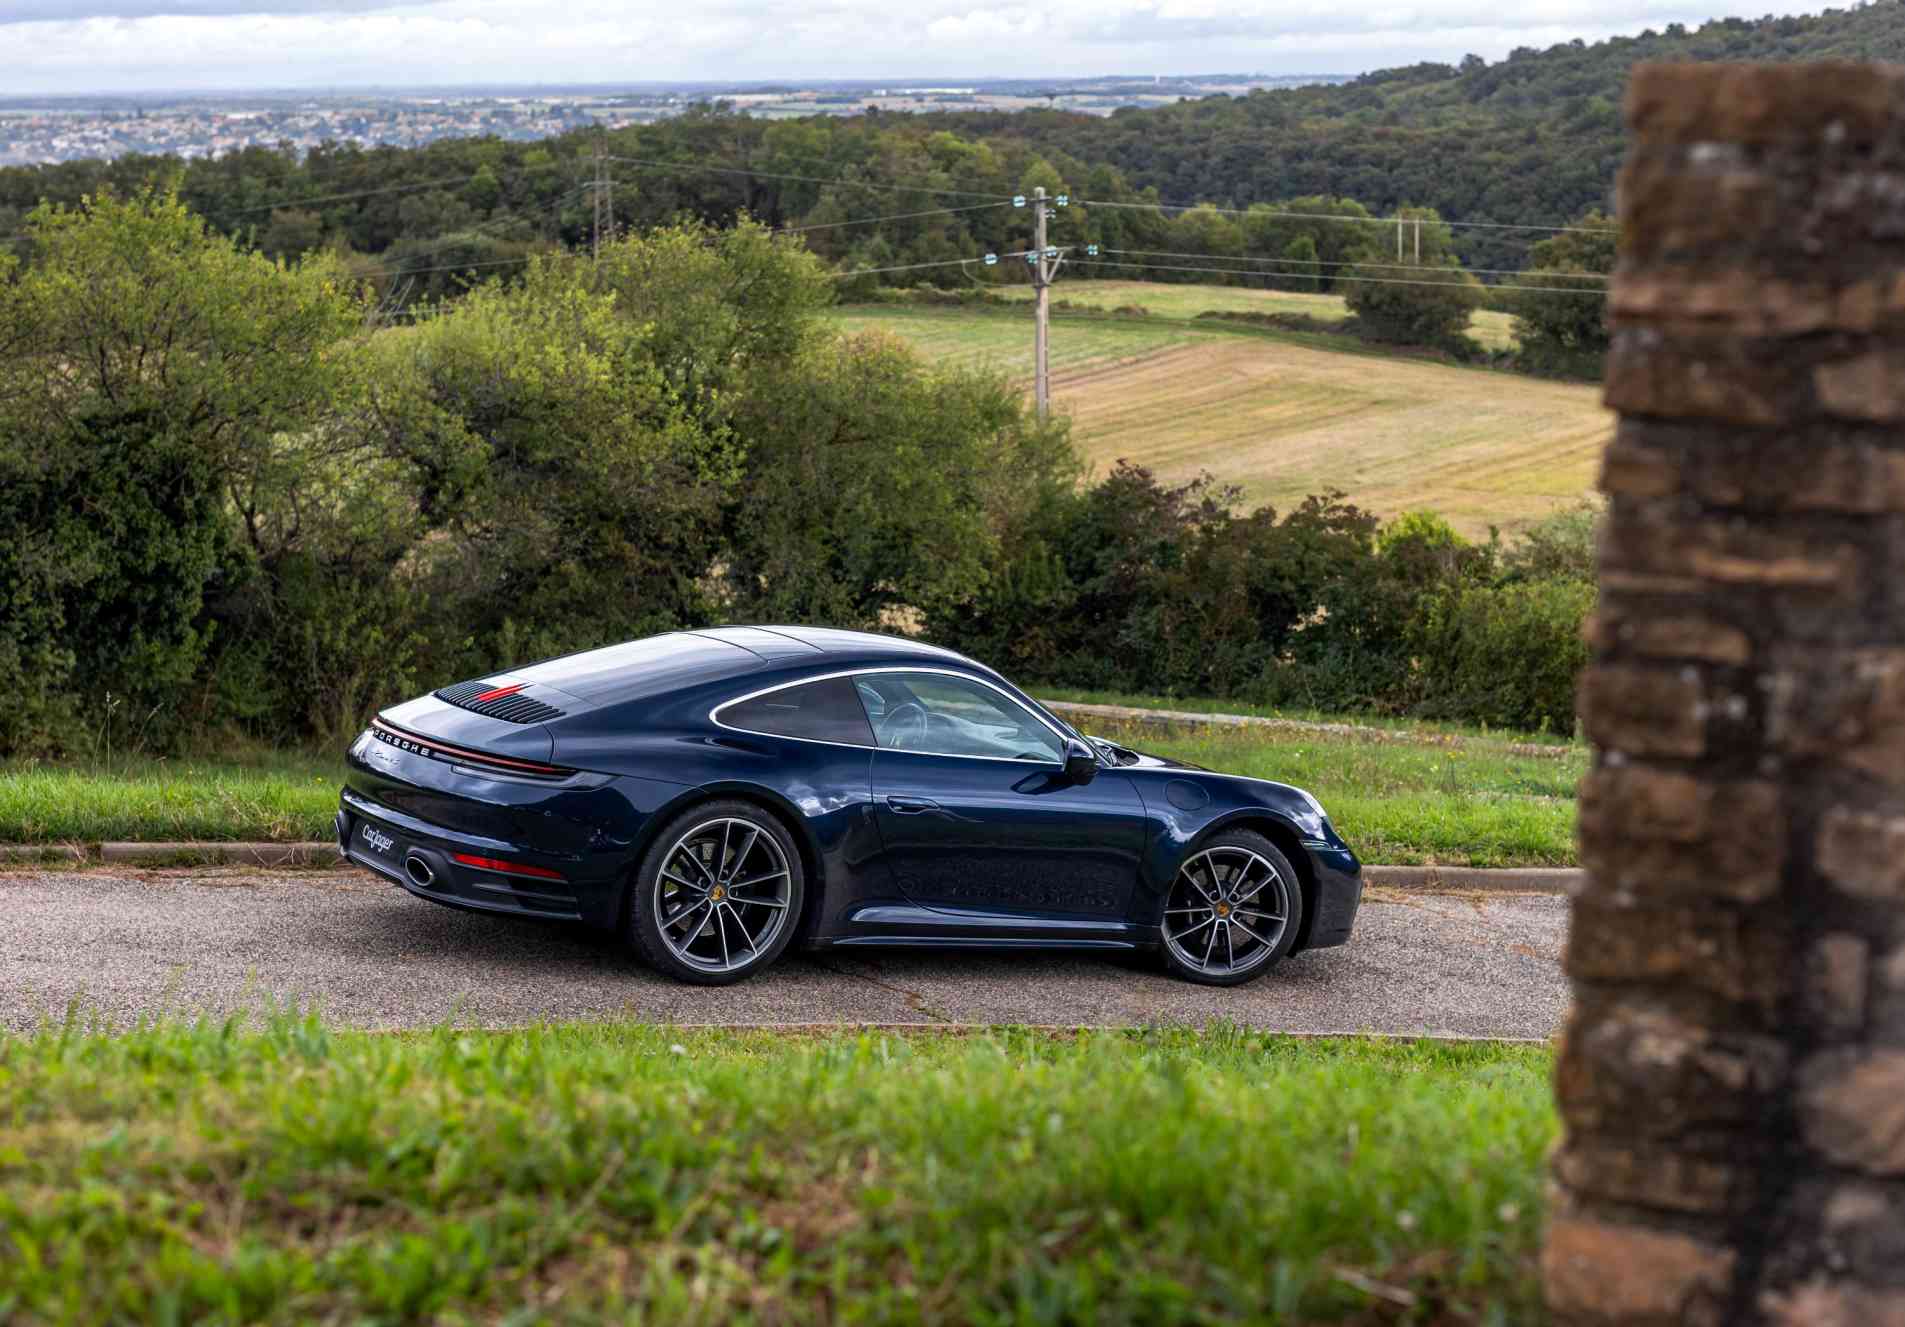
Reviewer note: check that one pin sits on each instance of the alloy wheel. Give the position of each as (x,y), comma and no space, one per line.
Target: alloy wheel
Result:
(1227,911)
(723,895)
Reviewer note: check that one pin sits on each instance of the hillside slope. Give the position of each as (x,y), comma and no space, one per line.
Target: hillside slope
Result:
(1286,416)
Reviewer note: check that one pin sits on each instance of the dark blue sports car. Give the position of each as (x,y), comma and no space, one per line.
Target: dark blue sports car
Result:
(719,795)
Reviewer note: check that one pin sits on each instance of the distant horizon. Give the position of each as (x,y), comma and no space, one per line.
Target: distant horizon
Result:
(84,49)
(601,86)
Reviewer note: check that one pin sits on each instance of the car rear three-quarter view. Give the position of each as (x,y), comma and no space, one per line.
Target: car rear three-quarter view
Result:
(717,796)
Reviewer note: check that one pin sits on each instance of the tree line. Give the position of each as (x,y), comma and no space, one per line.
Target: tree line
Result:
(232,499)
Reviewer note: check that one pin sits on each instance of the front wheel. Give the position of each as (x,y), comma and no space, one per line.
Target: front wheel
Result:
(1232,912)
(718,895)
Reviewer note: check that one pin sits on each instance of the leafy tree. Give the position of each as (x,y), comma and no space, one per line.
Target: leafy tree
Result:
(1423,300)
(1562,331)
(570,495)
(148,363)
(875,487)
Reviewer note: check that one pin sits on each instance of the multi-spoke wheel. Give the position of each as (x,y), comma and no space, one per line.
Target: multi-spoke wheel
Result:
(1233,910)
(718,895)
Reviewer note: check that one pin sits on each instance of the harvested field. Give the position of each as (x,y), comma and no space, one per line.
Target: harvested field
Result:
(1284,416)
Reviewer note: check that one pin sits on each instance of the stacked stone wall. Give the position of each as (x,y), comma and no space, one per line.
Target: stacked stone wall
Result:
(1732,1080)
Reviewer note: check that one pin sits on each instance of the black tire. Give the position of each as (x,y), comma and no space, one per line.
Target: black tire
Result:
(657,899)
(1203,890)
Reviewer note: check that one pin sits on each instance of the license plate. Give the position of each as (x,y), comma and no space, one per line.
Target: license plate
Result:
(376,842)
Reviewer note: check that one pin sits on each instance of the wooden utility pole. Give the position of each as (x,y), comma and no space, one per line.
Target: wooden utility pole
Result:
(1042,281)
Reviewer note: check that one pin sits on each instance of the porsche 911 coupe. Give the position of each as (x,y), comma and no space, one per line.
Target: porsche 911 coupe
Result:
(717,796)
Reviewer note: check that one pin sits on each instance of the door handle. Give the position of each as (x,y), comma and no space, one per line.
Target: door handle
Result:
(911,806)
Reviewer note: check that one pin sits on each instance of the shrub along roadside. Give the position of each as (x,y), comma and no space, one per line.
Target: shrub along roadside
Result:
(232,505)
(294,1172)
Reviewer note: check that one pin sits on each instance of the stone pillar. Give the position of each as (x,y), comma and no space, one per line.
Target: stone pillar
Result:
(1732,1082)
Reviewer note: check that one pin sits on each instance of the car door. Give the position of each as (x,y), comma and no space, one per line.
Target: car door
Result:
(975,811)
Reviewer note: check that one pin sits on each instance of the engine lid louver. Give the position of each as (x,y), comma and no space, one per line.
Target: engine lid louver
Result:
(499,702)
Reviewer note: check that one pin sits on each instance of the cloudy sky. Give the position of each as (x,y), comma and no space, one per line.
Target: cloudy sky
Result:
(71,46)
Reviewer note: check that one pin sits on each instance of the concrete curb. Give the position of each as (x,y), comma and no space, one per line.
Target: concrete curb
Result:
(1462,879)
(223,854)
(1427,879)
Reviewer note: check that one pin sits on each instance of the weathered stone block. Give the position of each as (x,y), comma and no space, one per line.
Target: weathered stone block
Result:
(1741,867)
(1841,103)
(1740,957)
(1640,1175)
(1645,711)
(1846,707)
(1626,802)
(1869,387)
(1689,637)
(1863,853)
(1852,1108)
(1676,380)
(1834,1304)
(1601,1273)
(1835,983)
(1633,1067)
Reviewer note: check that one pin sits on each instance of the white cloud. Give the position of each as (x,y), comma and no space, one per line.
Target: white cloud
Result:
(123,45)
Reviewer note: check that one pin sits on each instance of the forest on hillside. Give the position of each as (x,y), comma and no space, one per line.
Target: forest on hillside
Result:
(1533,140)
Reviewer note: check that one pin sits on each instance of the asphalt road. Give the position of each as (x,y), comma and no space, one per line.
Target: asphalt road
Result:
(120,943)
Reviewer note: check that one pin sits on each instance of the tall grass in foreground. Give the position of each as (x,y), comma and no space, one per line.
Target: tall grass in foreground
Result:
(576,1173)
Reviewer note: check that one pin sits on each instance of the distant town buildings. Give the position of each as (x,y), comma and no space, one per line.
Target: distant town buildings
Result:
(71,128)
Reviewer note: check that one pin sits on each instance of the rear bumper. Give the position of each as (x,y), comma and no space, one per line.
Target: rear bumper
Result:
(1339,893)
(422,858)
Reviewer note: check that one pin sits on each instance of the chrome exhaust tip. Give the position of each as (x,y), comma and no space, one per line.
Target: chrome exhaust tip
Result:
(419,871)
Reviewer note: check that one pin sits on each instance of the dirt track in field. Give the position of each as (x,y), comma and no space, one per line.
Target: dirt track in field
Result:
(120,944)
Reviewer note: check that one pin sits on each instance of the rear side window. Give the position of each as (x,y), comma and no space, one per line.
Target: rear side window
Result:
(826,711)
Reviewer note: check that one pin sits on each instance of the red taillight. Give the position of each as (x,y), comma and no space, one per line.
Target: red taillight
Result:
(507,868)
(498,693)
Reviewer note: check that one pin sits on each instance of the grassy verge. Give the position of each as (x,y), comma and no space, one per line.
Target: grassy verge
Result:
(288,797)
(1471,803)
(580,1173)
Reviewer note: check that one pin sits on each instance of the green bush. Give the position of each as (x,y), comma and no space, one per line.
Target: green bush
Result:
(1506,655)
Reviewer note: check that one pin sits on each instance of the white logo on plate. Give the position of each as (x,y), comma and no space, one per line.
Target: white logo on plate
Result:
(375,838)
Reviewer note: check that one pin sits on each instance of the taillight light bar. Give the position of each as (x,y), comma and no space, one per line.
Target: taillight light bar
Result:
(506,868)
(410,741)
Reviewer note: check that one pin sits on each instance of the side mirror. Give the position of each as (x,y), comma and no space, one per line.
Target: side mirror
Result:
(1081,766)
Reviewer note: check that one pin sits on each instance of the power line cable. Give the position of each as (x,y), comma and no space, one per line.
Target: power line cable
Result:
(808,179)
(1262,211)
(1313,262)
(1360,280)
(912,267)
(895,216)
(333,198)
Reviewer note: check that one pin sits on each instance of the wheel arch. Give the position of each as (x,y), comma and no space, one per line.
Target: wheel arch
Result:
(768,801)
(1288,842)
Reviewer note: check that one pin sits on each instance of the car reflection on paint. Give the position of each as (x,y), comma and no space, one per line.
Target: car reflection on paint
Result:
(717,796)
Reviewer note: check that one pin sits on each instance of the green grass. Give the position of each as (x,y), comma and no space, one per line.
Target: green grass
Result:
(1490,328)
(1424,730)
(1001,339)
(287,797)
(295,1173)
(1398,803)
(1461,801)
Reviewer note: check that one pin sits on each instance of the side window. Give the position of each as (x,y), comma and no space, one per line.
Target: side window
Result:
(952,716)
(826,711)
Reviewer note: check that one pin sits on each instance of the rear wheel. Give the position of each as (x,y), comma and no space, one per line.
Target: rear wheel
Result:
(1233,910)
(718,895)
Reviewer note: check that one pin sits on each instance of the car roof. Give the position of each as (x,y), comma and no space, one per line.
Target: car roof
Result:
(657,665)
(862,646)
